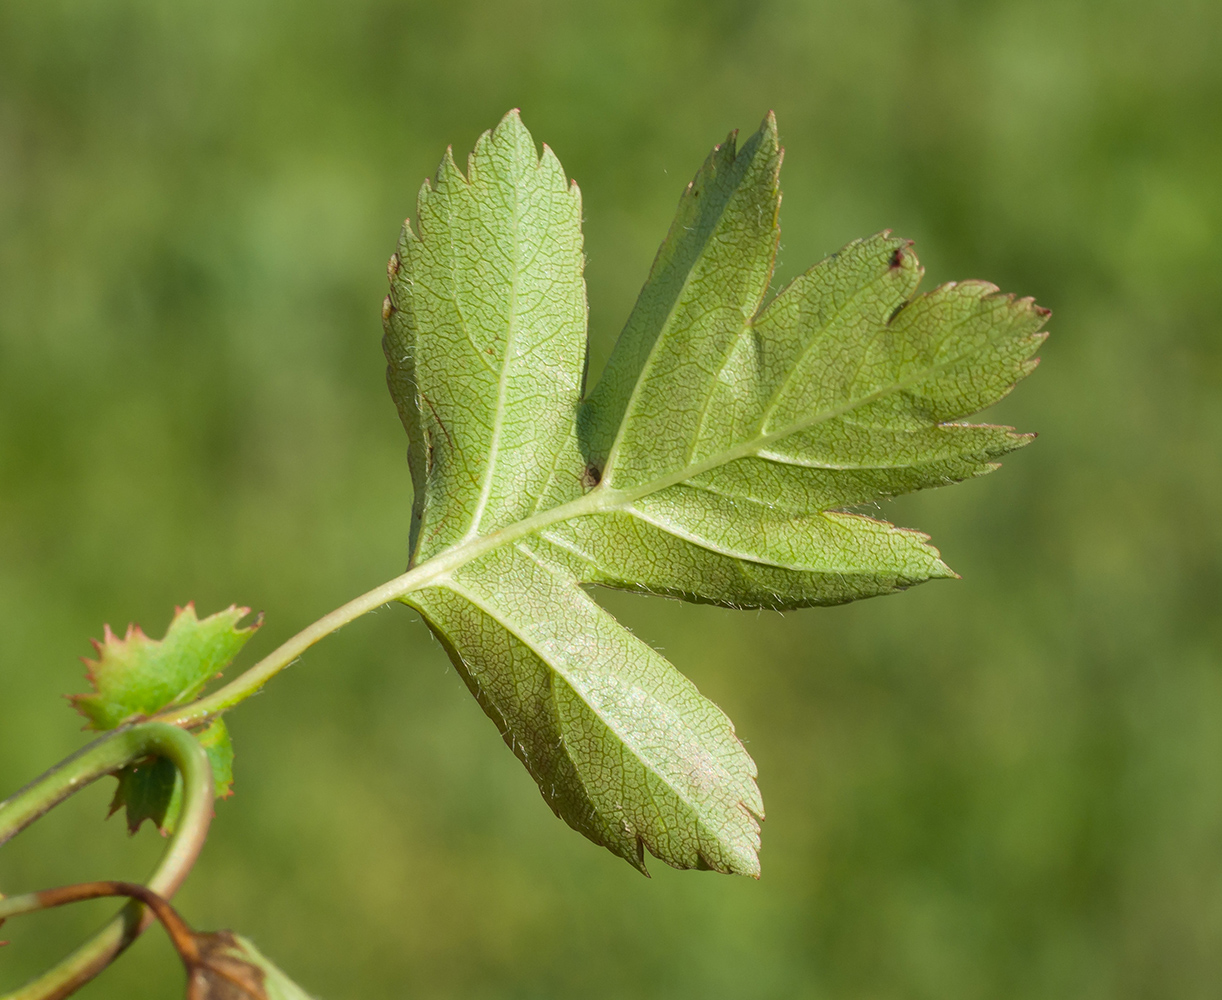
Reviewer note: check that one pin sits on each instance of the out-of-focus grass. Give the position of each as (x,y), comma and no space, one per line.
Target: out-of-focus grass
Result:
(1008,786)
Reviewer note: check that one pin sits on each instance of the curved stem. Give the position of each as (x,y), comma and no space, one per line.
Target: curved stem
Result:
(252,681)
(104,756)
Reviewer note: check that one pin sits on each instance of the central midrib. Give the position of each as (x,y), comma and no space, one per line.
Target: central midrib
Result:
(494,446)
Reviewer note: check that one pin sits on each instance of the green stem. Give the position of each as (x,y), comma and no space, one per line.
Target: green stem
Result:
(105,756)
(416,578)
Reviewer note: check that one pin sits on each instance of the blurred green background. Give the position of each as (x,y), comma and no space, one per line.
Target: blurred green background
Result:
(1007,786)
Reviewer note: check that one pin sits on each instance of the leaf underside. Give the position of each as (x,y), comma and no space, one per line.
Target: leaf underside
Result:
(718,459)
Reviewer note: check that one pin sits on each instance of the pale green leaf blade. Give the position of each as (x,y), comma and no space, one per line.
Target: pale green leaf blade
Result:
(860,377)
(847,371)
(485,336)
(707,282)
(808,473)
(139,676)
(702,549)
(810,338)
(623,747)
(940,356)
(718,459)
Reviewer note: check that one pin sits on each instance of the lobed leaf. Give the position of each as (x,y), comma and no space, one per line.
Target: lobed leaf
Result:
(139,676)
(485,336)
(718,459)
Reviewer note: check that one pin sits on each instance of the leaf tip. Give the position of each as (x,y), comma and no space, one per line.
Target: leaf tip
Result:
(510,130)
(768,127)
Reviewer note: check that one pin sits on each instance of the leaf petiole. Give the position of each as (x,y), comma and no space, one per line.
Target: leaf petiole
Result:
(252,681)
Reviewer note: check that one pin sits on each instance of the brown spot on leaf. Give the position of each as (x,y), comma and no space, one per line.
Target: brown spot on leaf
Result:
(591,476)
(388,309)
(897,259)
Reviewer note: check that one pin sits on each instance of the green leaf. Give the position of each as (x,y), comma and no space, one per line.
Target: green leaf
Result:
(487,347)
(153,789)
(622,745)
(718,459)
(138,676)
(146,791)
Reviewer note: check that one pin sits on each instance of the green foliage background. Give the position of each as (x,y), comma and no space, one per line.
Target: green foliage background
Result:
(1009,786)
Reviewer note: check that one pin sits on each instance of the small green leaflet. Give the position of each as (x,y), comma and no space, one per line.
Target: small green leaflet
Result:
(139,676)
(718,459)
(136,676)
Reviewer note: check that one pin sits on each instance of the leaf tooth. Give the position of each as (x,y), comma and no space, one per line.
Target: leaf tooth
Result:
(635,857)
(510,140)
(552,170)
(448,176)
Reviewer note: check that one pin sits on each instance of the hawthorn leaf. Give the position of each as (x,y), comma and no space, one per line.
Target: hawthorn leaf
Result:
(146,790)
(718,459)
(139,676)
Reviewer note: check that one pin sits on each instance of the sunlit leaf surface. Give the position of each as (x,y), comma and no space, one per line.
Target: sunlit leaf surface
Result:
(718,459)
